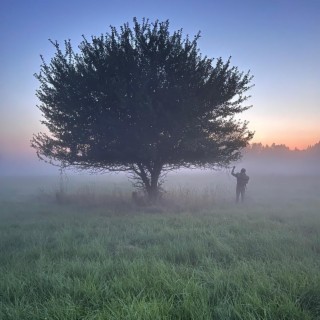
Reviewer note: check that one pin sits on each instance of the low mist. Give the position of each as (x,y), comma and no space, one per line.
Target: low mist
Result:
(278,176)
(272,182)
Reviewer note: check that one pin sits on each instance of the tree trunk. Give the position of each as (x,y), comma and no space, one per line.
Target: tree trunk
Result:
(148,179)
(154,192)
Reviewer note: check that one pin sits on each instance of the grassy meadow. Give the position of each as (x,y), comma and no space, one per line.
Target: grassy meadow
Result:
(90,253)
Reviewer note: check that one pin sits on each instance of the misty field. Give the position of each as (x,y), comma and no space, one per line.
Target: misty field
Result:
(90,253)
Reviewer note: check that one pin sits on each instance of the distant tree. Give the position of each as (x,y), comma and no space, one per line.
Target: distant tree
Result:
(314,150)
(140,100)
(256,148)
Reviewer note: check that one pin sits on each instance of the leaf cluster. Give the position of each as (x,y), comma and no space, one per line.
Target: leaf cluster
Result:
(140,96)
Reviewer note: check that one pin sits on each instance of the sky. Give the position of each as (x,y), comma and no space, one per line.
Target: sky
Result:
(277,40)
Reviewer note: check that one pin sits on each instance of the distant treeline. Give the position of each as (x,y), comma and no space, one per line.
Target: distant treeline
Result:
(278,158)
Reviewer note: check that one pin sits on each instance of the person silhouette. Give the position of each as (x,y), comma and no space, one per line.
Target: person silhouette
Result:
(242,180)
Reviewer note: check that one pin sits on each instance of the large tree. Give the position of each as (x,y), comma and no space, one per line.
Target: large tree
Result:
(141,100)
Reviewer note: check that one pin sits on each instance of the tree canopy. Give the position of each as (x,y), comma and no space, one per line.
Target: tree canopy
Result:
(141,100)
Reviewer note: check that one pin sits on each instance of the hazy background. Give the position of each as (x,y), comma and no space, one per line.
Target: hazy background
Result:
(277,40)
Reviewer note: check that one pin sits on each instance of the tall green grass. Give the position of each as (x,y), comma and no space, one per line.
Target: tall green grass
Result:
(193,258)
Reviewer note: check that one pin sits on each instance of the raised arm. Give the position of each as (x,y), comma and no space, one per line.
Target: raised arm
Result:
(232,172)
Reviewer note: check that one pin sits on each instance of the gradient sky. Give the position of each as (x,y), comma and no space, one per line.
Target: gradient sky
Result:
(278,40)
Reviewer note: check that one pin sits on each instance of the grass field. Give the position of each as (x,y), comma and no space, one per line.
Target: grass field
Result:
(94,255)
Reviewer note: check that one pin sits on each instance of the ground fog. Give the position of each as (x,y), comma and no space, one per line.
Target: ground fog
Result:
(77,247)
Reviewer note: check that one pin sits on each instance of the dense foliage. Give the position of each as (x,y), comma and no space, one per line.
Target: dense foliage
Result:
(140,100)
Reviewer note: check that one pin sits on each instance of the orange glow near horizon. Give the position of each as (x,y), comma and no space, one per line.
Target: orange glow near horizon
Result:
(291,146)
(21,147)
(302,142)
(294,132)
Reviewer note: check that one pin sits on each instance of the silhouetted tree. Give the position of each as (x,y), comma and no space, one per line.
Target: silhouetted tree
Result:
(314,149)
(140,100)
